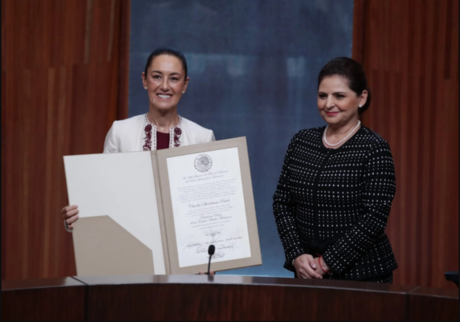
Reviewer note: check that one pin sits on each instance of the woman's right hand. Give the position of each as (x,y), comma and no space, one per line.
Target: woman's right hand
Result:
(70,215)
(305,267)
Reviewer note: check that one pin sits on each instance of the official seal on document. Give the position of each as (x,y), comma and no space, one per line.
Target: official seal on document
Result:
(203,162)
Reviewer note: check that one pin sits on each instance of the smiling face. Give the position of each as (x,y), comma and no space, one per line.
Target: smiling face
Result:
(337,103)
(165,82)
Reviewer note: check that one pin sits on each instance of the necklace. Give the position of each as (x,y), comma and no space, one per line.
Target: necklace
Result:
(348,135)
(151,142)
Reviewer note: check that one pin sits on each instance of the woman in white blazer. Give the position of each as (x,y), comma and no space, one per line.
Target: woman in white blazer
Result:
(165,80)
(129,135)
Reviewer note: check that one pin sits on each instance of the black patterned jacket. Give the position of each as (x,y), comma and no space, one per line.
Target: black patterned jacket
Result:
(341,197)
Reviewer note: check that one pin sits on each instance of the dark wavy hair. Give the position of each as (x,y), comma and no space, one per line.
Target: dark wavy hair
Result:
(353,72)
(166,51)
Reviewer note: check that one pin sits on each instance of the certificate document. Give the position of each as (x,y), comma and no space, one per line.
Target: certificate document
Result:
(208,200)
(208,206)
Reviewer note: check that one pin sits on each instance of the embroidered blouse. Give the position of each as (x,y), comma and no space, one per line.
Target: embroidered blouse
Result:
(162,140)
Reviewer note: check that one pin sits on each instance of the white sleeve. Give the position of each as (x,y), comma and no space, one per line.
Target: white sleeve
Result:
(110,144)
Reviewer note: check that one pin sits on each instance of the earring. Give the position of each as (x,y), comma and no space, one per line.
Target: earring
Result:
(183,92)
(359,106)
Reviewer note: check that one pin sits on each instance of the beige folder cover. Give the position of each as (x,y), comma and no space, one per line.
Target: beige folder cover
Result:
(121,186)
(106,248)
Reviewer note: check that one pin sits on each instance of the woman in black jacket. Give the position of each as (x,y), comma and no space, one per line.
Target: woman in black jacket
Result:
(336,187)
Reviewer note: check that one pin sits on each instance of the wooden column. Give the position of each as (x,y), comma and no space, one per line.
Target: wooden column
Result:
(409,50)
(64,65)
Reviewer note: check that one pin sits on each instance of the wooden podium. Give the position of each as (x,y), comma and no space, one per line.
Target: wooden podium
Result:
(201,297)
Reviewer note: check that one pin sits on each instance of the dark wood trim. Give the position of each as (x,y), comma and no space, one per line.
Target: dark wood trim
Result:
(123,77)
(359,30)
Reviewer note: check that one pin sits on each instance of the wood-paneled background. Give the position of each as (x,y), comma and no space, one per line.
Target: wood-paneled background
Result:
(409,50)
(64,81)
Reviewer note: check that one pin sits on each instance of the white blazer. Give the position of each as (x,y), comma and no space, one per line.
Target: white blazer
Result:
(128,135)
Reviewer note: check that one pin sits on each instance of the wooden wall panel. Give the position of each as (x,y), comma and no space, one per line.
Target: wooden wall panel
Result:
(64,81)
(409,50)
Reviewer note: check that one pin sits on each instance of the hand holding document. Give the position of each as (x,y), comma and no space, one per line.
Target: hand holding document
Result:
(196,196)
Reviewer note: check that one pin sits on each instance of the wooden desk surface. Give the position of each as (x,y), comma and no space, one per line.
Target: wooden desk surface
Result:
(39,283)
(220,297)
(428,304)
(223,297)
(54,299)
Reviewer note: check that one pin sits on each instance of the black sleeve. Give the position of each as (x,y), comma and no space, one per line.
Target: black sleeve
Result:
(379,191)
(284,216)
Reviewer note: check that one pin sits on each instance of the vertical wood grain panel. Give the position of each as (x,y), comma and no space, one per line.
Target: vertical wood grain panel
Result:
(55,101)
(5,179)
(358,25)
(122,54)
(409,50)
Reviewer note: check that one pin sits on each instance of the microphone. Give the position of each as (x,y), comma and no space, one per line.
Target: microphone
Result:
(211,250)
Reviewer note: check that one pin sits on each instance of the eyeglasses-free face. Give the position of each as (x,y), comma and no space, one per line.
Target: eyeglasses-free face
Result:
(337,103)
(165,82)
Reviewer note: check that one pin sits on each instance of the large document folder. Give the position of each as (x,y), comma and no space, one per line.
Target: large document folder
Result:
(157,212)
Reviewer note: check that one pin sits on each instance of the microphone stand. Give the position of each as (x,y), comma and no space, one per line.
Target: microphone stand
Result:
(209,264)
(211,250)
